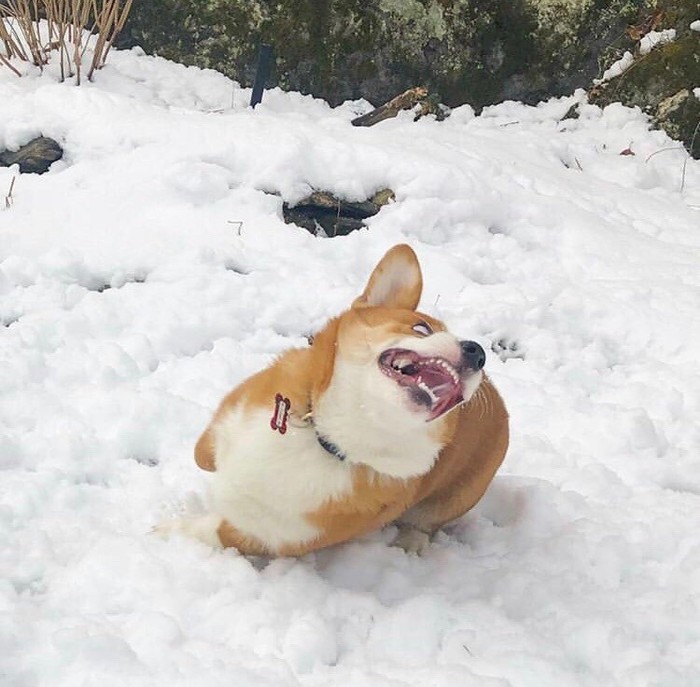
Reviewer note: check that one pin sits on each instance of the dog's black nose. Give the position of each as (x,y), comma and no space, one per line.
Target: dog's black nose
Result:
(473,355)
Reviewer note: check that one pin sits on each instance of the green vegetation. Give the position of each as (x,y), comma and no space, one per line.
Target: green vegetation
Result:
(462,50)
(661,82)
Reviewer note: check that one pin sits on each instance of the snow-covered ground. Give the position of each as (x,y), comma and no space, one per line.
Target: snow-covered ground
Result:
(150,271)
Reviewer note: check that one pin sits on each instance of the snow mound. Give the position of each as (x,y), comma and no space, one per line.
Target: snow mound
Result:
(150,271)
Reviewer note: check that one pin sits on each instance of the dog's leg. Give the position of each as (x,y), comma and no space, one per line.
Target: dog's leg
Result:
(446,505)
(453,500)
(420,522)
(411,539)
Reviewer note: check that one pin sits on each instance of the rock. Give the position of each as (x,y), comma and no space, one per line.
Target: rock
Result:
(35,157)
(323,214)
(661,81)
(464,50)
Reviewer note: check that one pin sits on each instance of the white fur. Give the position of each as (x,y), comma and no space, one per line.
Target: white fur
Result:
(365,414)
(370,418)
(440,344)
(471,384)
(265,481)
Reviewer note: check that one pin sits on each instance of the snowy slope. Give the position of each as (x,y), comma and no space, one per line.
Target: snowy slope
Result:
(150,271)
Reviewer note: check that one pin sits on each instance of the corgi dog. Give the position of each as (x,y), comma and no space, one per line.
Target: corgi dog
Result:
(385,418)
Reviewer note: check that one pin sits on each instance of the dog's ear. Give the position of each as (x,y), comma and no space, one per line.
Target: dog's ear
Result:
(395,283)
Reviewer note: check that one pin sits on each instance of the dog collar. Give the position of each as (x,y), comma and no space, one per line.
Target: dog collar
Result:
(326,444)
(282,412)
(329,446)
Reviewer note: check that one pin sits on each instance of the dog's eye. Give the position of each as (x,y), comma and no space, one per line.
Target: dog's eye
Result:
(422,328)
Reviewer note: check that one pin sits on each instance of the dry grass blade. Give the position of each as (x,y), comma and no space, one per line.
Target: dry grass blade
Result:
(663,150)
(10,32)
(109,20)
(7,34)
(8,64)
(70,28)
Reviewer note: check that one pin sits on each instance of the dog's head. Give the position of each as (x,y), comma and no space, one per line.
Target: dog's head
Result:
(388,373)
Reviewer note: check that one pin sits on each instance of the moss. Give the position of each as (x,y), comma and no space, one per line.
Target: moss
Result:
(476,51)
(662,81)
(578,32)
(653,76)
(341,49)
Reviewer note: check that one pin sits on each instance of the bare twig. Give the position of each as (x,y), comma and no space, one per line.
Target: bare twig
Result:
(237,222)
(690,154)
(8,198)
(7,63)
(405,101)
(663,150)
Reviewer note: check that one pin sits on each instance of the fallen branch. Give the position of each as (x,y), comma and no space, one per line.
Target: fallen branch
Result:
(405,101)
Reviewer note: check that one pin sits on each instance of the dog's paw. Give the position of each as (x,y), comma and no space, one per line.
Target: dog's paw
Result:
(412,540)
(204,528)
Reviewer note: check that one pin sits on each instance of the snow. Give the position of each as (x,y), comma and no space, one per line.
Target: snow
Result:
(150,271)
(654,39)
(647,43)
(616,68)
(695,25)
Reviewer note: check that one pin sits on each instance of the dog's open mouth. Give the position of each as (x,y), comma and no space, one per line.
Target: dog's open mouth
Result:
(432,382)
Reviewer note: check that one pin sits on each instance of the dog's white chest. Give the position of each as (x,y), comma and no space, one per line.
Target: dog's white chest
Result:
(266,481)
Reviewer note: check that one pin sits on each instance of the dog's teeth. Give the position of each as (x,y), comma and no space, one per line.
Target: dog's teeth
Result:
(407,366)
(422,385)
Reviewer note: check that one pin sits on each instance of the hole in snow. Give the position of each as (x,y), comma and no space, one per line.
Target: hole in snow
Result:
(116,282)
(325,215)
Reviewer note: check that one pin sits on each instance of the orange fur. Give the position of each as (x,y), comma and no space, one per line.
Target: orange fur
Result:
(473,436)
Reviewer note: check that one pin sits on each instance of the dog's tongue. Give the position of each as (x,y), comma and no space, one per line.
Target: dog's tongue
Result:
(435,378)
(444,393)
(432,382)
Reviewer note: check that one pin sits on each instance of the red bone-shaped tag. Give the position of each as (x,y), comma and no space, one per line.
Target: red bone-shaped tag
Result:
(280,414)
